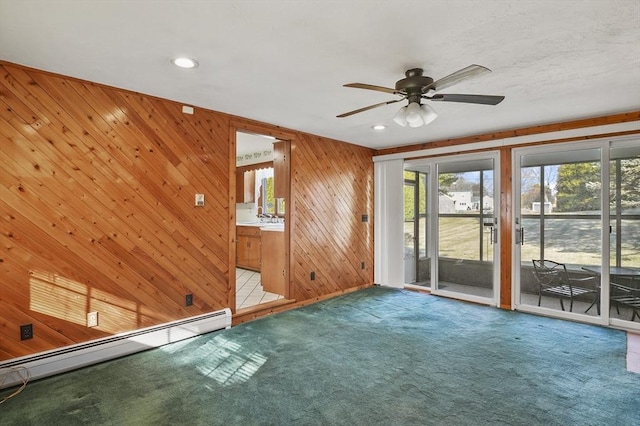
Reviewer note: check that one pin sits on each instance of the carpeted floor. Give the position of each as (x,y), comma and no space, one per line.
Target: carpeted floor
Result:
(379,356)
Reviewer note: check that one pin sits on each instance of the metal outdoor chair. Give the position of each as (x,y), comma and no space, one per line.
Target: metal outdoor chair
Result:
(552,278)
(626,296)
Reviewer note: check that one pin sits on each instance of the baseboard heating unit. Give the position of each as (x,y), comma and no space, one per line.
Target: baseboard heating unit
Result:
(69,358)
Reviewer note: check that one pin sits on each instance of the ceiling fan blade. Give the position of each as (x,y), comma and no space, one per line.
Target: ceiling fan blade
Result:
(465,73)
(347,114)
(469,99)
(372,87)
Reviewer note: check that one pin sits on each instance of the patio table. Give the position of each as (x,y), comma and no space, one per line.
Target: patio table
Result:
(615,271)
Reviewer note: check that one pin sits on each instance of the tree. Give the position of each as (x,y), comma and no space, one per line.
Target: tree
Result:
(445,181)
(629,185)
(578,187)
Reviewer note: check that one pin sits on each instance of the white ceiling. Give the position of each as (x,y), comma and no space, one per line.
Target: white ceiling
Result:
(284,62)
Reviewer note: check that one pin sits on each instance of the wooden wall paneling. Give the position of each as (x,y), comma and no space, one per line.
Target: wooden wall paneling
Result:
(173,206)
(345,196)
(91,147)
(213,227)
(44,336)
(326,178)
(71,214)
(165,173)
(231,218)
(166,201)
(199,240)
(506,227)
(60,225)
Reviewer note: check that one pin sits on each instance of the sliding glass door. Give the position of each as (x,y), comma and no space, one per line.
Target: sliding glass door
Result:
(467,228)
(409,227)
(559,229)
(449,210)
(624,241)
(416,258)
(577,247)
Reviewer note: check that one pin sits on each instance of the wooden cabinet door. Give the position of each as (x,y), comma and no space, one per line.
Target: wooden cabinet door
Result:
(246,186)
(272,274)
(239,187)
(248,248)
(280,170)
(249,186)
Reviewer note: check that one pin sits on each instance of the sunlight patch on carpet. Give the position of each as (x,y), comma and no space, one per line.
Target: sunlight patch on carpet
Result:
(227,362)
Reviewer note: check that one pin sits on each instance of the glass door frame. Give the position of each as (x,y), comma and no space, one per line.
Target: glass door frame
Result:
(604,145)
(517,155)
(414,244)
(420,229)
(431,167)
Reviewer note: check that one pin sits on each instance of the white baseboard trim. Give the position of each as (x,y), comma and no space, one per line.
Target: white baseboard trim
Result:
(69,358)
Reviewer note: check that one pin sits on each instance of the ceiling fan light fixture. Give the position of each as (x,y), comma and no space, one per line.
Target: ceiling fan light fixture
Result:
(401,117)
(415,115)
(427,113)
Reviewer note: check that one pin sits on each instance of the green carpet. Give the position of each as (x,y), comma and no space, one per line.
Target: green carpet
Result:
(379,356)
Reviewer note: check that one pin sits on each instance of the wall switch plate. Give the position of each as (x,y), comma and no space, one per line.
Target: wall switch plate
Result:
(92,319)
(188,300)
(361,265)
(365,218)
(199,200)
(313,275)
(26,332)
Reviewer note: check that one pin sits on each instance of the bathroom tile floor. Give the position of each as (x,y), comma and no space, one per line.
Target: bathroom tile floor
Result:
(249,290)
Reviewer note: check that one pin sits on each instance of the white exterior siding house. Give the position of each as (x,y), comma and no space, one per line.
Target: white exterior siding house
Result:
(462,200)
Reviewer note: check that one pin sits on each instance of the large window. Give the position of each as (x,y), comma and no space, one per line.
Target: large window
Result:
(266,201)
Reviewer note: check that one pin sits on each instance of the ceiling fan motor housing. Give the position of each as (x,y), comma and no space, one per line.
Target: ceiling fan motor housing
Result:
(413,84)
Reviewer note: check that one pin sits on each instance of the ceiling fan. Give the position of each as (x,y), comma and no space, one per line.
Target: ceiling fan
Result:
(415,87)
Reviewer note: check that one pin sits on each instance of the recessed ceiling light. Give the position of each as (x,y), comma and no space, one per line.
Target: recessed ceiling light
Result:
(378,127)
(185,62)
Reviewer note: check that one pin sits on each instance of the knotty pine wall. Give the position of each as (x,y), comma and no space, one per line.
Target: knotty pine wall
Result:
(97,211)
(332,187)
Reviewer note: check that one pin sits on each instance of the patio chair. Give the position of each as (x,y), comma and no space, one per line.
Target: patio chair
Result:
(552,278)
(626,296)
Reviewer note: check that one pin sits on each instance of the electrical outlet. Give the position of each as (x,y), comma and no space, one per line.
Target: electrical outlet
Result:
(365,218)
(26,332)
(361,265)
(188,300)
(92,319)
(199,202)
(313,275)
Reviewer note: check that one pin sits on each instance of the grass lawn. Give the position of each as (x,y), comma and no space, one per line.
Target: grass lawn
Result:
(570,241)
